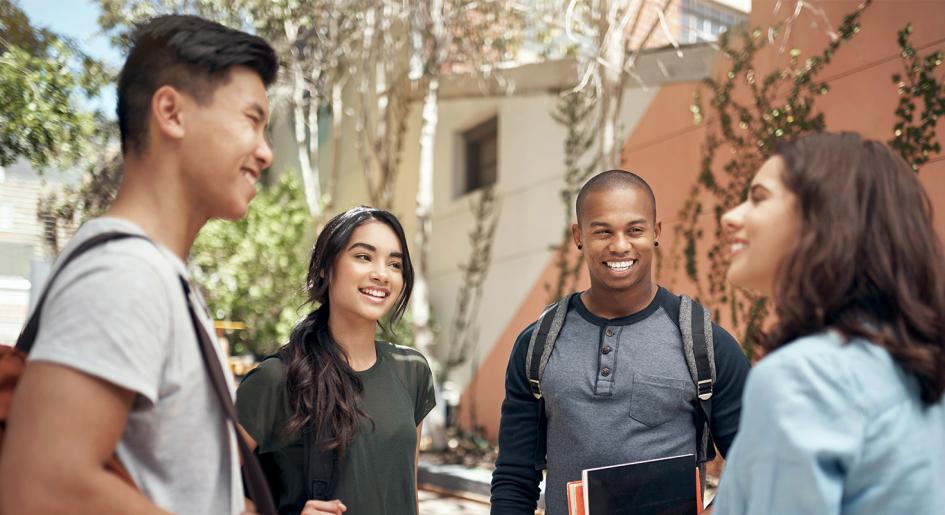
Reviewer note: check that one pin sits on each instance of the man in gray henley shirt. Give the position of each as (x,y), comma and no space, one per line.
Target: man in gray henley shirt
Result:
(617,388)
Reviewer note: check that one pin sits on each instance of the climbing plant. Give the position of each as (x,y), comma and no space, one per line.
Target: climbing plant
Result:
(747,113)
(914,131)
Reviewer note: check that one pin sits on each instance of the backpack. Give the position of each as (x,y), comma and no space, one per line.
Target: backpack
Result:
(13,361)
(695,327)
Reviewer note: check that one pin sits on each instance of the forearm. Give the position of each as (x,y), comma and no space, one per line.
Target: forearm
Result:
(73,491)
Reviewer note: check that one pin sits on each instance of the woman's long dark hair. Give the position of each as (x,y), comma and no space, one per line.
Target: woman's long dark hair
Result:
(324,391)
(866,261)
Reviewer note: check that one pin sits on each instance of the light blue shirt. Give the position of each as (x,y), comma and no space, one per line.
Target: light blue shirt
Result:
(834,428)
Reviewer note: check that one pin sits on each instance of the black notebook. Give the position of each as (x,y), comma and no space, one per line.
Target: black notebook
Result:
(665,486)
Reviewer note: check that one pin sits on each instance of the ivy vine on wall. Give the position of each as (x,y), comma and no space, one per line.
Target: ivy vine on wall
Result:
(767,108)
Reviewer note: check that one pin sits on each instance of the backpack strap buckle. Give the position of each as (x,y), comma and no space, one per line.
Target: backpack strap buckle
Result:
(705,389)
(536,388)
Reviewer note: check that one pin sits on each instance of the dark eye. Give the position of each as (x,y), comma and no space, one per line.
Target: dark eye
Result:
(397,265)
(602,232)
(362,257)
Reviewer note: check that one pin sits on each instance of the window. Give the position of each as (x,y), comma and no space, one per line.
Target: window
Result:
(480,148)
(703,21)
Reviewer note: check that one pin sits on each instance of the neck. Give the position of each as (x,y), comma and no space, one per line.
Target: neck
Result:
(152,196)
(356,336)
(615,304)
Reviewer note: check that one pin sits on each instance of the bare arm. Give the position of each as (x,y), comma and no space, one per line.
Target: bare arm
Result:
(63,427)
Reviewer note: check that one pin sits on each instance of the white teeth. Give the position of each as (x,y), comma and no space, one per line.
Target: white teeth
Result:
(620,265)
(249,177)
(375,293)
(737,247)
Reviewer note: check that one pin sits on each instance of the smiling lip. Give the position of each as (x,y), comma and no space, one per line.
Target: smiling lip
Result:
(737,246)
(375,294)
(620,266)
(251,175)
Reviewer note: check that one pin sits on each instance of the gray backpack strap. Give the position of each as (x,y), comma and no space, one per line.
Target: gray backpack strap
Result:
(540,346)
(542,342)
(695,326)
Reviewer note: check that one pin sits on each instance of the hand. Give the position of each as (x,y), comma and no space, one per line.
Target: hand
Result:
(707,511)
(334,507)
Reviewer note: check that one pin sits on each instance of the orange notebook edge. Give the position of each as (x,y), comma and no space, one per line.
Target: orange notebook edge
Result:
(576,497)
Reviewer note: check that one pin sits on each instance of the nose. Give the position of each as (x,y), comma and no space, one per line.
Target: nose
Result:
(732,220)
(620,243)
(380,273)
(264,154)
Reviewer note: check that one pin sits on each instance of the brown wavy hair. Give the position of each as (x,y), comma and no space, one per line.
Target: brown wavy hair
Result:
(866,261)
(324,391)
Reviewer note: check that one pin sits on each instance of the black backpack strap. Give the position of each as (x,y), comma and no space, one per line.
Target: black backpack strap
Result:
(28,336)
(321,466)
(321,463)
(540,346)
(256,482)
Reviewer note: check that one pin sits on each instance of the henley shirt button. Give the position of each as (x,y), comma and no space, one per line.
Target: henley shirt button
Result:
(606,349)
(605,372)
(609,332)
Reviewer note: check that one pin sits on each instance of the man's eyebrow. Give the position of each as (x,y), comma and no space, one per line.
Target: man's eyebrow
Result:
(599,224)
(256,108)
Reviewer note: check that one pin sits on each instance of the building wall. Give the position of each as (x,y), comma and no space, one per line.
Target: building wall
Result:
(665,147)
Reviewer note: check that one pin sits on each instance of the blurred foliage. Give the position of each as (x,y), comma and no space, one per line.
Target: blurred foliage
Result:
(749,113)
(915,138)
(253,270)
(43,76)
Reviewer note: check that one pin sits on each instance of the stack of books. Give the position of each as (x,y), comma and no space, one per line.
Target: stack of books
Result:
(665,486)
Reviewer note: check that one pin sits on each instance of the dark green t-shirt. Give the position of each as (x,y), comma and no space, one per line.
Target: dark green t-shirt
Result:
(377,476)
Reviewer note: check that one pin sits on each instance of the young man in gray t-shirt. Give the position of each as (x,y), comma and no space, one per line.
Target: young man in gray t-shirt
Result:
(116,366)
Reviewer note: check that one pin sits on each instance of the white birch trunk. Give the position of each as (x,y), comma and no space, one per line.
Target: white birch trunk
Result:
(309,176)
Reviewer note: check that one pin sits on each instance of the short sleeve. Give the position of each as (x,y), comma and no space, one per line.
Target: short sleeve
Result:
(801,431)
(426,397)
(111,319)
(262,405)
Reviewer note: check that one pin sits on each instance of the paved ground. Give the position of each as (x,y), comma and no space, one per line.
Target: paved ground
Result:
(436,504)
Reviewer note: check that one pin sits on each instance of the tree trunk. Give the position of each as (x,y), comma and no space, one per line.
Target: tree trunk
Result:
(423,336)
(309,174)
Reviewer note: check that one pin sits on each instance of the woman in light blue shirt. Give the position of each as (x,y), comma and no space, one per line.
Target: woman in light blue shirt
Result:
(845,413)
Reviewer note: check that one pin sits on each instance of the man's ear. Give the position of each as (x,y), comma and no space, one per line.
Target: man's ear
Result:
(656,229)
(167,112)
(576,236)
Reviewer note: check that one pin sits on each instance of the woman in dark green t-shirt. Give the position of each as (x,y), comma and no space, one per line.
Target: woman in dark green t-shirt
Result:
(334,384)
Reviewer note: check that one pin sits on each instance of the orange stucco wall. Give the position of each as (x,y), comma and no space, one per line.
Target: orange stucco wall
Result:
(665,147)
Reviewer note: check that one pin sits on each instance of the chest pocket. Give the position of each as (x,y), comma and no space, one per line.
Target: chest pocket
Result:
(655,400)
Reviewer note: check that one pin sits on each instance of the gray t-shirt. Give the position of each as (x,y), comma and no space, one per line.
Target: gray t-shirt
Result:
(118,313)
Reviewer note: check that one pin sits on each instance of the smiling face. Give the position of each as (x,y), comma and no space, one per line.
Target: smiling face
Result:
(224,149)
(368,275)
(616,230)
(762,230)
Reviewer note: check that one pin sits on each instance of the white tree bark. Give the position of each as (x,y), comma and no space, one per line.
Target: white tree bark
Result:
(423,335)
(310,180)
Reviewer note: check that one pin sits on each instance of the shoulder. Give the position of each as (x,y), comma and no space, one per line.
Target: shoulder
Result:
(403,354)
(829,368)
(410,363)
(269,371)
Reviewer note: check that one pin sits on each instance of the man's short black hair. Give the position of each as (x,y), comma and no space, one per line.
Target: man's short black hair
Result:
(189,53)
(614,179)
